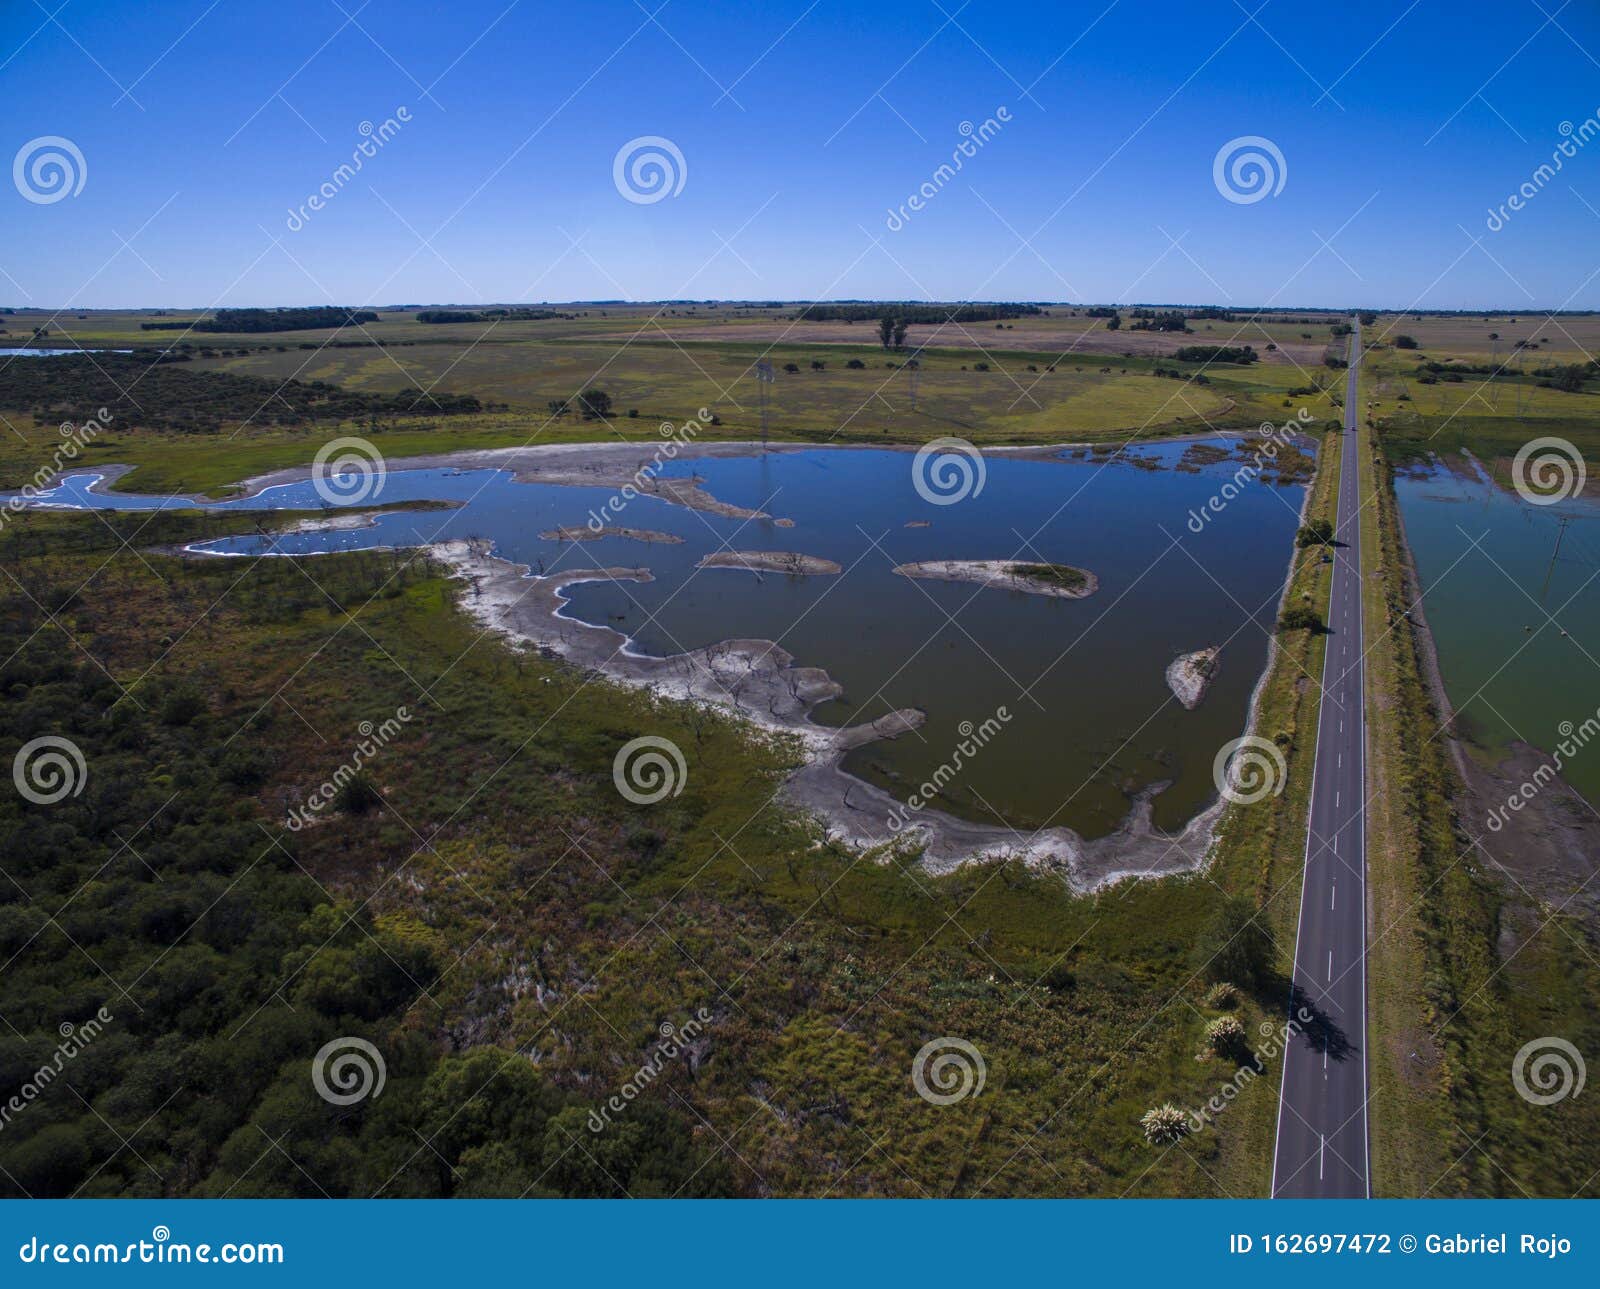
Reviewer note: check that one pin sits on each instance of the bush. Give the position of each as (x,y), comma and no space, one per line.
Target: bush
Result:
(1165,1125)
(356,795)
(1222,996)
(1319,532)
(1404,342)
(1300,617)
(1225,1036)
(855,364)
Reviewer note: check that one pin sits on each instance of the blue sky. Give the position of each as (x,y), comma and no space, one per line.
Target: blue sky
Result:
(801,127)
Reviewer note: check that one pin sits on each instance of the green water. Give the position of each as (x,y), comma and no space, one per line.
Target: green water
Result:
(1498,597)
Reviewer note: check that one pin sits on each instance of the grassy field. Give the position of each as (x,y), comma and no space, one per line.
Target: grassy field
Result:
(539,914)
(1042,382)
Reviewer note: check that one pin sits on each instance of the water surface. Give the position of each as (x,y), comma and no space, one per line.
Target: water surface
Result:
(1498,596)
(1091,720)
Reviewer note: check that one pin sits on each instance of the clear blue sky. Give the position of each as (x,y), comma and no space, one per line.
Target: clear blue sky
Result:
(201,126)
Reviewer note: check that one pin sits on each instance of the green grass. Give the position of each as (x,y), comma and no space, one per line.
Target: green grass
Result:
(1062,575)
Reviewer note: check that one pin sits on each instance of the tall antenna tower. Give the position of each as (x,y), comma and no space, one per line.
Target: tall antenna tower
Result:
(763,380)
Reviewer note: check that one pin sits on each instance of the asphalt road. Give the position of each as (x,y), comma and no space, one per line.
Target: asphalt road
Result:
(1323,1146)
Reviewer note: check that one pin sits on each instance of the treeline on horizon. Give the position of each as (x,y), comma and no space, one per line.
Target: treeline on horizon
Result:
(314,318)
(153,389)
(487,315)
(914,313)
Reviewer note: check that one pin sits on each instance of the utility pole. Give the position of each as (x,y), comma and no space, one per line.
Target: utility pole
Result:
(1561,532)
(763,380)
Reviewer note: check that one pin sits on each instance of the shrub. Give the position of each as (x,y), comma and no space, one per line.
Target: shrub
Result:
(1404,342)
(1222,995)
(1165,1125)
(1225,1036)
(1319,532)
(356,795)
(1300,617)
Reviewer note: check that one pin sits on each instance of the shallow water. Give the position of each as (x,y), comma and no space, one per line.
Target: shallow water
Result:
(1489,569)
(1091,720)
